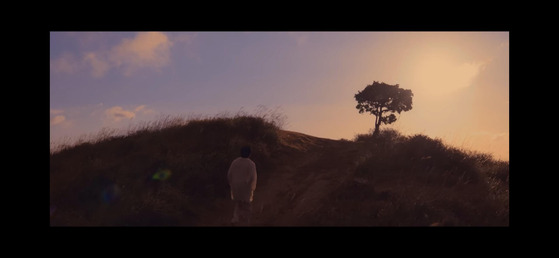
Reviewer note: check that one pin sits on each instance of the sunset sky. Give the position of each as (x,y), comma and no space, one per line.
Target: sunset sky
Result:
(460,80)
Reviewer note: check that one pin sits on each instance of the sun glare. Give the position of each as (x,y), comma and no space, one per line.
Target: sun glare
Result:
(436,74)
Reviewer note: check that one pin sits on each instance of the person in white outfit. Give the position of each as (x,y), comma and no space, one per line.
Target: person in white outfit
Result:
(242,178)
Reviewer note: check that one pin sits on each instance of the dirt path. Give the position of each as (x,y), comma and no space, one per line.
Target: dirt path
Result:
(301,185)
(310,168)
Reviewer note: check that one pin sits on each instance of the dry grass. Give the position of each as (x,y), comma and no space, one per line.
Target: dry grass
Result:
(171,172)
(195,152)
(419,181)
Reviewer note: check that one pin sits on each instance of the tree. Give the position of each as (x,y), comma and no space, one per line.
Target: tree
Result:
(383,100)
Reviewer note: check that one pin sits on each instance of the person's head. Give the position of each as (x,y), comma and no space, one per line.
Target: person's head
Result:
(245,151)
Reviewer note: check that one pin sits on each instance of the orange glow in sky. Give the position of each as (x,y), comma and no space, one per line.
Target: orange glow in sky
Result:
(460,80)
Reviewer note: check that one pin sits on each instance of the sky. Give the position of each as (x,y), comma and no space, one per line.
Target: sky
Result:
(115,80)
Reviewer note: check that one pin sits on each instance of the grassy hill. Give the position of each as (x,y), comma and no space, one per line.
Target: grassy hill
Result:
(174,174)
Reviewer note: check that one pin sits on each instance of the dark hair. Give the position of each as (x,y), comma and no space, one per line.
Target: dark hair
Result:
(245,151)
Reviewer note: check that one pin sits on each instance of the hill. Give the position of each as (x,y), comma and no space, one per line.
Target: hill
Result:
(174,174)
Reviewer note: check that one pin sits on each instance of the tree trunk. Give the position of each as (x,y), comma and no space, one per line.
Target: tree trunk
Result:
(375,133)
(377,123)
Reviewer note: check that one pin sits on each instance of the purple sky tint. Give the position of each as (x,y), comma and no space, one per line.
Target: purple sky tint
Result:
(117,79)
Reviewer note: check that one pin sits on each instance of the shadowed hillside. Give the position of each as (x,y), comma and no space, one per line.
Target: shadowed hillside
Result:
(175,175)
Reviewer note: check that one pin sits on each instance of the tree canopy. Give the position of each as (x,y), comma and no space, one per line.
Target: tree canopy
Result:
(383,100)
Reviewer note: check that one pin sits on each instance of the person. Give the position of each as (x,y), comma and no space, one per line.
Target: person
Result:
(242,179)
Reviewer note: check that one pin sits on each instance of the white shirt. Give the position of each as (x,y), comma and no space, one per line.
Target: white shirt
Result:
(242,179)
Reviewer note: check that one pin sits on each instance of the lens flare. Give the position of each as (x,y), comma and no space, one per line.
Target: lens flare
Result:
(110,194)
(162,175)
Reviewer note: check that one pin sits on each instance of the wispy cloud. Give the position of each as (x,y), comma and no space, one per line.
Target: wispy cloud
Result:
(144,110)
(146,50)
(66,63)
(139,108)
(98,66)
(437,75)
(56,111)
(500,137)
(117,113)
(57,120)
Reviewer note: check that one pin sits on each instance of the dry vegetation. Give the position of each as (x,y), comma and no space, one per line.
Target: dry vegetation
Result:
(172,173)
(418,181)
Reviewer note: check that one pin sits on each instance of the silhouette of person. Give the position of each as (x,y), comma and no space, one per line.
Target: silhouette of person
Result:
(242,180)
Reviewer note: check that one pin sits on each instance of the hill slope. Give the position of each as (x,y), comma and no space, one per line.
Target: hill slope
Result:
(175,176)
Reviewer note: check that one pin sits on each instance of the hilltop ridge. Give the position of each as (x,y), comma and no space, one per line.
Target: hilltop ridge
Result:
(175,176)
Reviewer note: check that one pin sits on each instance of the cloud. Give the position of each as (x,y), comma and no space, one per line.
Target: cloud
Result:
(144,110)
(57,120)
(56,111)
(66,63)
(147,49)
(500,137)
(98,66)
(437,75)
(117,113)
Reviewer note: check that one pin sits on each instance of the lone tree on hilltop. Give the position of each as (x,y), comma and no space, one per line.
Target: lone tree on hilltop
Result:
(383,100)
